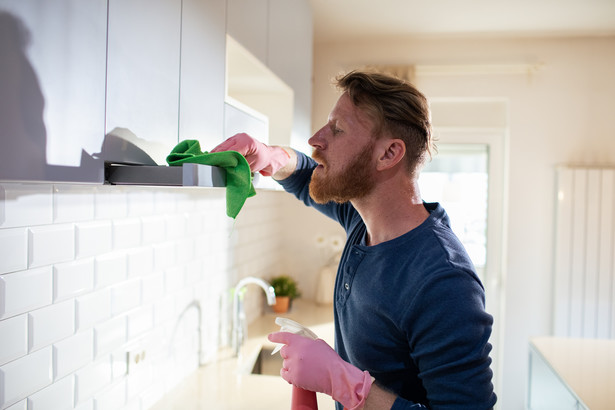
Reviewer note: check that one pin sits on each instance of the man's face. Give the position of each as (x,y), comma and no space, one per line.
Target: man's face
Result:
(343,149)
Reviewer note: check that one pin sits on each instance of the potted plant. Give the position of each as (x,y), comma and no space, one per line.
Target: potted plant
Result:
(285,291)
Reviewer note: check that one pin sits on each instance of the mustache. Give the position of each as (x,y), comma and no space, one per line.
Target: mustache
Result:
(317,156)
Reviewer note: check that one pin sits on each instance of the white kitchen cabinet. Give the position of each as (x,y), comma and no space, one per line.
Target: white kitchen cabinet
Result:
(52,83)
(151,72)
(248,24)
(201,104)
(279,33)
(290,55)
(143,72)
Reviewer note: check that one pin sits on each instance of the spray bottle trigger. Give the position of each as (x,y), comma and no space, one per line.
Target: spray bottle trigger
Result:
(288,325)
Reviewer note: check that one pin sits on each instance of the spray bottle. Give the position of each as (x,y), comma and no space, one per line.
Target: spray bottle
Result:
(301,399)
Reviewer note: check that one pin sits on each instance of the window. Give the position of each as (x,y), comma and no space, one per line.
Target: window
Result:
(458,178)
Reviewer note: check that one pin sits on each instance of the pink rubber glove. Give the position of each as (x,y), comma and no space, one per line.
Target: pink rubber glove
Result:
(262,158)
(314,365)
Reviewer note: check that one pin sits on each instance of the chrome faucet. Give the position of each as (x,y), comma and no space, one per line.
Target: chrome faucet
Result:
(240,331)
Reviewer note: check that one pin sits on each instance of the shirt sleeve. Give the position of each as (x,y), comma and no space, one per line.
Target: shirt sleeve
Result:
(448,339)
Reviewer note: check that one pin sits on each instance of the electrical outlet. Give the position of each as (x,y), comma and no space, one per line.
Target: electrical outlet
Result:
(134,358)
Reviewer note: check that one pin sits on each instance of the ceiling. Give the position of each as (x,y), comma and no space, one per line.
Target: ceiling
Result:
(343,20)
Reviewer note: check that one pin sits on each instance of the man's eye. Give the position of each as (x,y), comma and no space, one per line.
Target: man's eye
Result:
(337,131)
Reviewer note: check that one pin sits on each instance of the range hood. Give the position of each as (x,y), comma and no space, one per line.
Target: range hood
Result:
(195,175)
(126,163)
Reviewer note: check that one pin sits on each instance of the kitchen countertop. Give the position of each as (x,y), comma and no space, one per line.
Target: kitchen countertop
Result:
(227,383)
(586,366)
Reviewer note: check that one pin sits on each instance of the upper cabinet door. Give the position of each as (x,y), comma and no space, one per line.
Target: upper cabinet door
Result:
(290,57)
(143,74)
(279,34)
(52,87)
(247,23)
(202,72)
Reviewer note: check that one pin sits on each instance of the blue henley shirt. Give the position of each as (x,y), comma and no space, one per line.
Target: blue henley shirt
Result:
(410,311)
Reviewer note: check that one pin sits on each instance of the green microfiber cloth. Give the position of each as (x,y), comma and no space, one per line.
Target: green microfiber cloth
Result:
(238,175)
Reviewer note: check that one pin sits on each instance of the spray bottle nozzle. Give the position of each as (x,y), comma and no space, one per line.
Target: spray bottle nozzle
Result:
(288,325)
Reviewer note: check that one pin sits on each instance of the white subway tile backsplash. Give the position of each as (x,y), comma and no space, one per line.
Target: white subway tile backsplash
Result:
(189,201)
(152,287)
(140,261)
(112,398)
(93,308)
(73,203)
(25,290)
(184,249)
(25,376)
(184,299)
(20,405)
(153,393)
(152,229)
(50,324)
(59,396)
(134,404)
(109,335)
(174,279)
(92,378)
(86,405)
(14,245)
(51,244)
(194,223)
(202,246)
(89,271)
(194,271)
(110,202)
(155,343)
(25,204)
(214,223)
(125,296)
(109,269)
(164,310)
(13,338)
(126,233)
(175,226)
(140,320)
(165,201)
(119,363)
(92,238)
(72,278)
(141,202)
(73,353)
(164,255)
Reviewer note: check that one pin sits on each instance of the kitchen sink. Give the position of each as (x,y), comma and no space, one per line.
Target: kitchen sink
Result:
(266,364)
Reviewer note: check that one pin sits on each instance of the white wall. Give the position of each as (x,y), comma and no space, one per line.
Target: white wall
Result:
(88,273)
(303,256)
(561,114)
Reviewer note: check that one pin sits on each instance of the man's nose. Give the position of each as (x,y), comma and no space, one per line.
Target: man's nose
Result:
(317,140)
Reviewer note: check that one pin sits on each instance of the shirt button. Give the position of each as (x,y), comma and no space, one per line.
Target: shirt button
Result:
(347,286)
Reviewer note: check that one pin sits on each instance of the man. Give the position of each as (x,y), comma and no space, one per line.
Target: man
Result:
(411,330)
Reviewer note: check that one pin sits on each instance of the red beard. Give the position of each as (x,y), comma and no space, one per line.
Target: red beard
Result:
(353,182)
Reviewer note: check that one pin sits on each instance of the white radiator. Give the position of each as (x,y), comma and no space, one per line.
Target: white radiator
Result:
(584,276)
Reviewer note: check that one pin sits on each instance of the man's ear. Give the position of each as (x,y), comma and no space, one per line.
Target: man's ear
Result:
(391,151)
